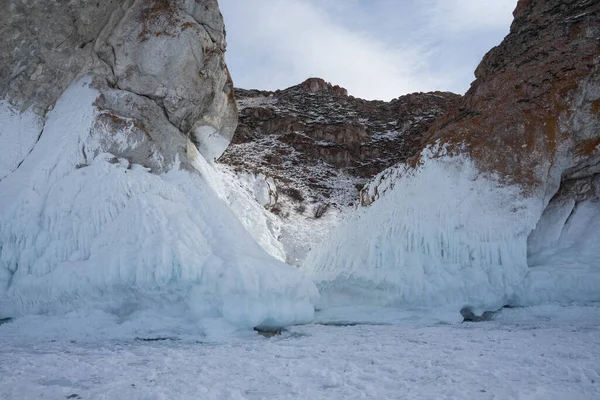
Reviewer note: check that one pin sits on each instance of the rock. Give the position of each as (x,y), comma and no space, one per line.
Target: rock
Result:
(315,138)
(532,114)
(159,65)
(314,85)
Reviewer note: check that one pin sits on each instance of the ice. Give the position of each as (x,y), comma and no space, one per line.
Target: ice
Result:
(287,238)
(246,195)
(102,234)
(564,255)
(18,134)
(440,237)
(443,237)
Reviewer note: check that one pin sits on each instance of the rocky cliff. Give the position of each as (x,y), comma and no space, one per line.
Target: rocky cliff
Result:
(320,144)
(158,64)
(532,114)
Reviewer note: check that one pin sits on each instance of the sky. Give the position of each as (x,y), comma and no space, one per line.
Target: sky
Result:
(377,49)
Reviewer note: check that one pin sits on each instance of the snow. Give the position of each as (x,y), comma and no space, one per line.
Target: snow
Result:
(440,237)
(101,234)
(287,237)
(246,195)
(538,353)
(18,134)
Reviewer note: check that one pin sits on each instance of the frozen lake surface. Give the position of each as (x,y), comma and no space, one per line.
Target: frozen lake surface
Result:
(542,352)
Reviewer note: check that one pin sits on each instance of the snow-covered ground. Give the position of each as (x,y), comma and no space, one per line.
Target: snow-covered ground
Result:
(543,352)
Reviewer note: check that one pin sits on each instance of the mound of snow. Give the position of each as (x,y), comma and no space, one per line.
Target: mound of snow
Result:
(442,236)
(104,234)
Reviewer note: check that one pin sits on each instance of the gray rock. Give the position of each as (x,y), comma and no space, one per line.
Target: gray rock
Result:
(159,65)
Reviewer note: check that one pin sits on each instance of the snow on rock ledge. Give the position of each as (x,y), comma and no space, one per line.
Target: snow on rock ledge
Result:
(111,235)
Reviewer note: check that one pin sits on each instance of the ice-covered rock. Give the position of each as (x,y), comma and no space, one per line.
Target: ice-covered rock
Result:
(443,237)
(168,51)
(454,226)
(111,115)
(108,233)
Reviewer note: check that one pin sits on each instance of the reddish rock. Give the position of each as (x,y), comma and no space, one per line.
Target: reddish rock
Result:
(532,114)
(315,137)
(313,85)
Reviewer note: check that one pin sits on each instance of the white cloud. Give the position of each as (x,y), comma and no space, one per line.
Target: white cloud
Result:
(376,49)
(462,16)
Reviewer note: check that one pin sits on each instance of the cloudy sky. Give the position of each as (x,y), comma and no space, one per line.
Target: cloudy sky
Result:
(377,49)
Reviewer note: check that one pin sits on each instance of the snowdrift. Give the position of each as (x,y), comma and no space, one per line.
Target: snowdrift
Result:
(110,235)
(444,237)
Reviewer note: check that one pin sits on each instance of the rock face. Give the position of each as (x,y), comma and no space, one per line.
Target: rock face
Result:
(501,205)
(532,114)
(320,144)
(159,65)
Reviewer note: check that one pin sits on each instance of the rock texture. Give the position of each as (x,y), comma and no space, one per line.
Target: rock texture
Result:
(159,65)
(532,116)
(320,145)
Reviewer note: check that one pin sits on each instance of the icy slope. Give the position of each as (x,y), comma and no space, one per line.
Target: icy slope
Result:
(110,235)
(287,235)
(18,134)
(442,236)
(245,197)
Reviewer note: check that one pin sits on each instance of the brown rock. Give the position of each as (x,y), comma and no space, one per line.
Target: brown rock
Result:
(531,116)
(315,137)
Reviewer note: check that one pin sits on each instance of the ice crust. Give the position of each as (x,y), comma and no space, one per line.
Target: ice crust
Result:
(104,234)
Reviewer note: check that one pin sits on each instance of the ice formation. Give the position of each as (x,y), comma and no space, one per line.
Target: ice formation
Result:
(442,236)
(249,195)
(246,195)
(564,255)
(18,133)
(111,235)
